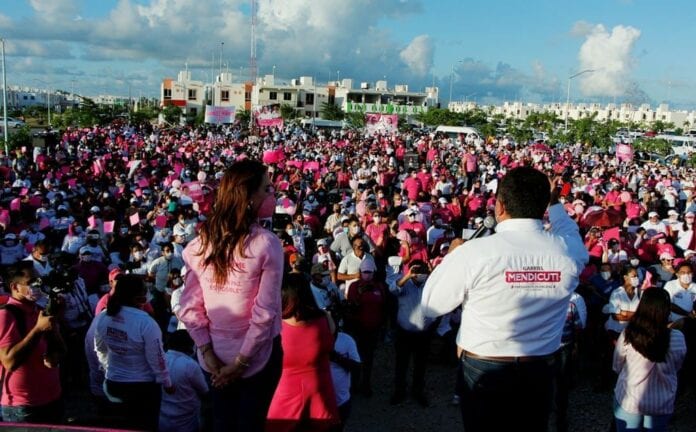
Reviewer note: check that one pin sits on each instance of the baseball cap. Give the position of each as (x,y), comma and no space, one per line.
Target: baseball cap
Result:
(444,245)
(672,212)
(666,256)
(113,274)
(689,252)
(478,220)
(94,209)
(442,200)
(367,265)
(652,214)
(322,242)
(319,268)
(10,236)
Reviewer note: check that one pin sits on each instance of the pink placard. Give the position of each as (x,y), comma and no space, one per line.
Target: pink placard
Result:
(134,219)
(72,183)
(24,191)
(108,227)
(161,221)
(138,192)
(143,183)
(15,204)
(92,221)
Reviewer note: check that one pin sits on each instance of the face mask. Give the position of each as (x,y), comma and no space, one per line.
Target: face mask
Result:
(42,258)
(168,291)
(86,258)
(354,230)
(124,231)
(33,294)
(377,219)
(685,279)
(143,243)
(345,230)
(662,241)
(606,275)
(635,262)
(366,276)
(267,207)
(291,232)
(137,256)
(168,255)
(310,199)
(177,282)
(634,281)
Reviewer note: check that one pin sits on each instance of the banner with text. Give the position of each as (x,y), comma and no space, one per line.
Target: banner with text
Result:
(268,116)
(219,114)
(381,123)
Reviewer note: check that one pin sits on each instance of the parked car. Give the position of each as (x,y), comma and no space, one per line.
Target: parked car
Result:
(12,122)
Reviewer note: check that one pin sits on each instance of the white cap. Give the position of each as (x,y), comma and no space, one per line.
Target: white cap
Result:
(689,252)
(94,209)
(666,255)
(652,214)
(672,212)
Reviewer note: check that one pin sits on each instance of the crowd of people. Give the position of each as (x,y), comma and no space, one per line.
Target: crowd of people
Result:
(207,279)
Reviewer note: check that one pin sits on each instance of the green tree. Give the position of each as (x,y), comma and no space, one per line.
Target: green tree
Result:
(20,138)
(288,112)
(653,145)
(330,111)
(660,126)
(172,114)
(355,119)
(243,117)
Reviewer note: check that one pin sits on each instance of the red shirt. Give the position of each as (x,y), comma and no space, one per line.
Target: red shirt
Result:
(32,383)
(370,304)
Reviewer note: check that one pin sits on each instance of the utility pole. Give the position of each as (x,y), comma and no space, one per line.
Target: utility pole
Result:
(4,98)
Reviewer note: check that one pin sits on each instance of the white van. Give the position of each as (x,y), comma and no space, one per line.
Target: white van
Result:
(455,131)
(681,145)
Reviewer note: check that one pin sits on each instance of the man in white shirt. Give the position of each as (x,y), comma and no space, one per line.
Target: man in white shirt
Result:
(514,288)
(180,411)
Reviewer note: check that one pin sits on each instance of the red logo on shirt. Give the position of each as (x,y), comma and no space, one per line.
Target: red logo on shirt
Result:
(532,276)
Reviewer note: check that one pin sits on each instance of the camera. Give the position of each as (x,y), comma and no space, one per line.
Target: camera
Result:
(61,280)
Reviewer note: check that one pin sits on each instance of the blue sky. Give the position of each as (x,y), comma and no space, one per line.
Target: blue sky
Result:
(641,50)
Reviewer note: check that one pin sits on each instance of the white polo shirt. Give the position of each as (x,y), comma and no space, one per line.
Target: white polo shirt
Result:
(684,298)
(514,286)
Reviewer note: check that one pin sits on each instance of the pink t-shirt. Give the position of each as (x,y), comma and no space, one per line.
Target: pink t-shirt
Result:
(32,383)
(242,316)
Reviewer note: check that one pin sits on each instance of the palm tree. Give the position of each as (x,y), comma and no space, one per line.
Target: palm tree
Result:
(330,111)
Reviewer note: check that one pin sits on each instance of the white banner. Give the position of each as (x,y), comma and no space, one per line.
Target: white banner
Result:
(219,114)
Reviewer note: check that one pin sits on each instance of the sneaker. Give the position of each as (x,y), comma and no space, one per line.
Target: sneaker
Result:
(397,398)
(455,400)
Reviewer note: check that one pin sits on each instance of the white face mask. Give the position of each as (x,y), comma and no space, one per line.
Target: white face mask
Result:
(635,262)
(606,275)
(137,256)
(685,279)
(634,281)
(420,278)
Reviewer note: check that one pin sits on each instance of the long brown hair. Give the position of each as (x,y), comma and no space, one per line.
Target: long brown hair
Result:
(647,330)
(224,233)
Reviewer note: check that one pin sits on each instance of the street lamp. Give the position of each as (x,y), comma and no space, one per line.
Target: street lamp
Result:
(4,97)
(451,79)
(568,94)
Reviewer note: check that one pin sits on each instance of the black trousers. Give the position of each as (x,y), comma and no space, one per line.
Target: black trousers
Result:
(409,345)
(140,408)
(243,405)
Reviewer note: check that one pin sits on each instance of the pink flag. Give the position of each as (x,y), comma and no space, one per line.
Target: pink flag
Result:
(143,183)
(134,218)
(611,233)
(96,168)
(108,227)
(138,192)
(161,221)
(24,191)
(15,204)
(72,183)
(92,222)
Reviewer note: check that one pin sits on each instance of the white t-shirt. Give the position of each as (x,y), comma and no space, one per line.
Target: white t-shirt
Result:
(344,346)
(179,411)
(618,301)
(684,298)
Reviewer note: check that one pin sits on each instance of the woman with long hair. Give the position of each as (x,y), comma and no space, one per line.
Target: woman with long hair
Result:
(128,343)
(231,305)
(623,303)
(647,357)
(305,399)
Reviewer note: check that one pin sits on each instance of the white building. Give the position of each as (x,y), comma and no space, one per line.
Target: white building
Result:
(624,112)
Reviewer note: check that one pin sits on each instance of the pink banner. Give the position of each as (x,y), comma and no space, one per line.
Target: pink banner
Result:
(92,222)
(268,116)
(134,219)
(624,152)
(381,123)
(161,221)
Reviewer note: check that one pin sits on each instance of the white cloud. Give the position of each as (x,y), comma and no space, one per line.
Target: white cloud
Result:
(418,55)
(610,55)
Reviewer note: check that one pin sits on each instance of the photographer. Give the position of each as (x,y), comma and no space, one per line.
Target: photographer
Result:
(30,348)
